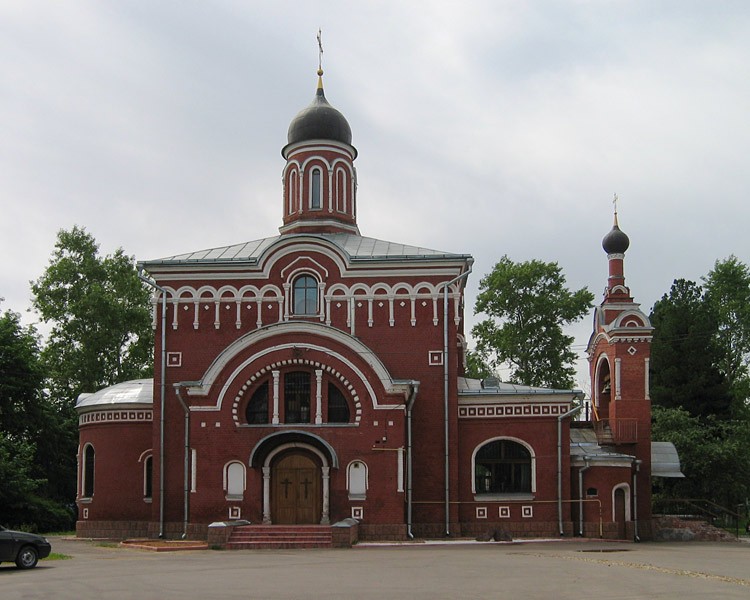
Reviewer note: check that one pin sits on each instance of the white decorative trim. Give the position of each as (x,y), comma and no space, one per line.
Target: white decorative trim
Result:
(525,409)
(481,512)
(618,371)
(115,416)
(358,513)
(527,511)
(174,359)
(503,512)
(235,513)
(647,378)
(435,358)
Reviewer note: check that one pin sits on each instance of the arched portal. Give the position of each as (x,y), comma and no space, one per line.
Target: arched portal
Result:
(296,478)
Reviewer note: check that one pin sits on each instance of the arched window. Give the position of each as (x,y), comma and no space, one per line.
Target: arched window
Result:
(305,295)
(316,191)
(338,407)
(89,457)
(356,480)
(256,412)
(148,477)
(502,467)
(341,190)
(234,480)
(297,397)
(292,192)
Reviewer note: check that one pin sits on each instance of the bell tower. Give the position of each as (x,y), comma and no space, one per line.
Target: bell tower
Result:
(619,351)
(320,181)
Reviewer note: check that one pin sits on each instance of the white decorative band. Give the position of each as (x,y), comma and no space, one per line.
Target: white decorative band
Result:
(116,416)
(479,411)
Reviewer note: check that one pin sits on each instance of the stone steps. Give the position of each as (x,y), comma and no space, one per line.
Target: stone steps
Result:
(255,537)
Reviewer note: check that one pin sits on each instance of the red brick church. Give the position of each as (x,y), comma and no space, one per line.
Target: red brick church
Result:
(316,377)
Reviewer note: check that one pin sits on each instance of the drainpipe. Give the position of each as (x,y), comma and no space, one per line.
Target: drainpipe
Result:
(580,495)
(152,283)
(635,499)
(445,391)
(409,488)
(570,413)
(186,480)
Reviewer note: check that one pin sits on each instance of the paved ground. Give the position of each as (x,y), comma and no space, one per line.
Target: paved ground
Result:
(571,569)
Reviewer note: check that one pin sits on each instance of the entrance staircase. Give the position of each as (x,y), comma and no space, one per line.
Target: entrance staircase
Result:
(255,537)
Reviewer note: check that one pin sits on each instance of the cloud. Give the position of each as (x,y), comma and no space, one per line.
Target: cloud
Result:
(482,127)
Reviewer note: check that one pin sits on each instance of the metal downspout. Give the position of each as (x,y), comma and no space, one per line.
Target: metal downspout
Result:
(445,392)
(409,487)
(580,495)
(635,500)
(186,480)
(154,285)
(570,413)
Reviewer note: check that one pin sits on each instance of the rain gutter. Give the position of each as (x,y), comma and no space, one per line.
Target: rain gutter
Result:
(186,466)
(409,486)
(445,390)
(570,413)
(162,385)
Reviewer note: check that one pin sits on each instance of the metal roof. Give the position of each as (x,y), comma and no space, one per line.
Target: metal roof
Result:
(137,391)
(665,462)
(356,247)
(476,386)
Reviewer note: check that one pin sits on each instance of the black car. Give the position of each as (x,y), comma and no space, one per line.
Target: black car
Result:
(24,549)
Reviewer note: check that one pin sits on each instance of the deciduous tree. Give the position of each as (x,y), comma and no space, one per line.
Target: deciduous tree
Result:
(100,315)
(685,355)
(727,290)
(527,305)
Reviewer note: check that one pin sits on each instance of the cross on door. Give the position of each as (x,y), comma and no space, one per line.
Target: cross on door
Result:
(306,483)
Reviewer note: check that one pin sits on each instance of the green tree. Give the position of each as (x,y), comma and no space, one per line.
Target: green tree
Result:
(100,315)
(685,355)
(34,486)
(20,376)
(100,335)
(476,367)
(527,304)
(714,456)
(727,290)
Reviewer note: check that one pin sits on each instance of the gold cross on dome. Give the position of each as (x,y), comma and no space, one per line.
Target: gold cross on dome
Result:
(320,50)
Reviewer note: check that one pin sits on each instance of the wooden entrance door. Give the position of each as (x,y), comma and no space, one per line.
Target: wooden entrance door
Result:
(295,496)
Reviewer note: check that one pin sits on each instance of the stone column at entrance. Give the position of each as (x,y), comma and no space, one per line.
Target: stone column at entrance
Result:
(326,487)
(267,495)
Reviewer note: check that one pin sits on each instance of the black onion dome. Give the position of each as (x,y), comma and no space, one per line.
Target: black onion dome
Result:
(319,121)
(616,241)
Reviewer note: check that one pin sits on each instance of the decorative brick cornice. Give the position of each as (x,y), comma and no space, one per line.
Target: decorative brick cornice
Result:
(119,415)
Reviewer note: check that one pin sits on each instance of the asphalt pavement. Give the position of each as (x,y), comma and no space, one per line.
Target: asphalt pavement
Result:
(572,569)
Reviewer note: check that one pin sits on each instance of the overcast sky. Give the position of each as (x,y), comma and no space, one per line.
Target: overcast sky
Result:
(487,128)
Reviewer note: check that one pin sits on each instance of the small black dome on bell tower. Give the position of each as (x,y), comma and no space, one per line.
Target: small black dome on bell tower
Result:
(319,121)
